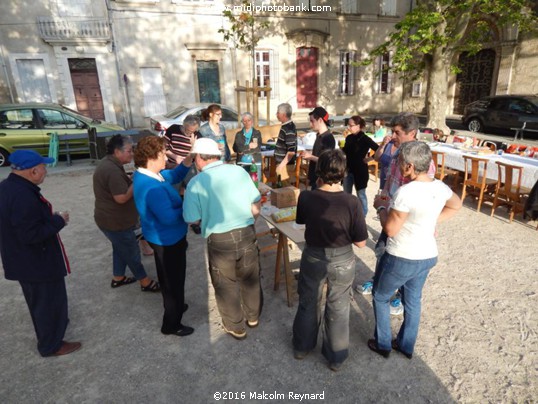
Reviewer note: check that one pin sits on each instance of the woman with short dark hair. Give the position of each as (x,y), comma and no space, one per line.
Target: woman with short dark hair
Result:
(356,149)
(334,222)
(161,215)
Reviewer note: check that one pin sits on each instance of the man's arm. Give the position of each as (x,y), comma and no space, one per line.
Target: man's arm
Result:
(450,209)
(256,209)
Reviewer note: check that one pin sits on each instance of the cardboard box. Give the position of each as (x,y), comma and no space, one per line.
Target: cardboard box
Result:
(284,197)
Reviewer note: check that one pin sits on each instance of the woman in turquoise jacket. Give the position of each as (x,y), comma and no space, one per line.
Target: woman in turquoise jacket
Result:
(161,215)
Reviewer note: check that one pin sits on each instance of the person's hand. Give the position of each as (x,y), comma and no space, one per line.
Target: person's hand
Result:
(307,155)
(386,139)
(187,161)
(179,159)
(381,199)
(64,215)
(252,145)
(193,138)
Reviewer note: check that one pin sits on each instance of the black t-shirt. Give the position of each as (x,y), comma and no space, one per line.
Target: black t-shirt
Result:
(356,149)
(324,141)
(332,219)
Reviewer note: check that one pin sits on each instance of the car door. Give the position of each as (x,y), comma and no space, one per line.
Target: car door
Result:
(63,123)
(497,114)
(19,129)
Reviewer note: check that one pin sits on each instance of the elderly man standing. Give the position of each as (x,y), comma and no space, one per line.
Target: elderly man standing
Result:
(116,216)
(223,198)
(286,144)
(32,252)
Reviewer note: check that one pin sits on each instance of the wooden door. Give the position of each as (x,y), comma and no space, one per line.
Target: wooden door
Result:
(475,79)
(86,87)
(208,81)
(307,77)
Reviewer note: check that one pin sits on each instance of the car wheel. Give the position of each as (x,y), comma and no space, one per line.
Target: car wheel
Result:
(475,125)
(4,158)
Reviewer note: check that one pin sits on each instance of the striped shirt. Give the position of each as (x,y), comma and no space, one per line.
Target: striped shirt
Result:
(286,142)
(177,141)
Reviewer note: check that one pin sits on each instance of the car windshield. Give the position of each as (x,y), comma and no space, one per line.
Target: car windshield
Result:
(176,112)
(534,100)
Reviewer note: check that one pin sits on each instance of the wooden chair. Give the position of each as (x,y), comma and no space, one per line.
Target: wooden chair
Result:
(373,166)
(508,193)
(441,171)
(475,177)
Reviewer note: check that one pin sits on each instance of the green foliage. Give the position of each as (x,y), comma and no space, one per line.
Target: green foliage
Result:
(244,27)
(445,28)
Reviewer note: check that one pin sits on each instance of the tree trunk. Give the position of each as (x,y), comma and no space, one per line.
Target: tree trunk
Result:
(436,94)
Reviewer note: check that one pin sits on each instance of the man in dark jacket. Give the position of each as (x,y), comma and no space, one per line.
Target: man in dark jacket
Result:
(32,252)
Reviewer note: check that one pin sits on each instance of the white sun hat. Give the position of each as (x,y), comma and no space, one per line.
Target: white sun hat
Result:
(206,146)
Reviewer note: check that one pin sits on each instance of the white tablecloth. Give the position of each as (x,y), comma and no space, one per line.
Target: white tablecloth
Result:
(454,159)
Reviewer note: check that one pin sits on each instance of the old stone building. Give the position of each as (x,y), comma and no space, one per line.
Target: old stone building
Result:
(125,60)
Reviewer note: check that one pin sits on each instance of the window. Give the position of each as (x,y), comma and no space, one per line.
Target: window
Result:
(52,119)
(265,71)
(74,8)
(33,80)
(349,6)
(17,119)
(152,88)
(383,74)
(416,90)
(306,3)
(346,77)
(388,7)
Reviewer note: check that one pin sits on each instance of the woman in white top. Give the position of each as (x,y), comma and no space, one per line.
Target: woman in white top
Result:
(411,250)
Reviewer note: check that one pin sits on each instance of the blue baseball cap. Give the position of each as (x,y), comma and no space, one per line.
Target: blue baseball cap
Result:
(25,159)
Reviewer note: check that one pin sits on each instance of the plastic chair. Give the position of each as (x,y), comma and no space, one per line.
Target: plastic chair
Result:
(508,193)
(476,177)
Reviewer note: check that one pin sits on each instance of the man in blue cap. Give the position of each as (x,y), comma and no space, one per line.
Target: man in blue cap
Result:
(32,252)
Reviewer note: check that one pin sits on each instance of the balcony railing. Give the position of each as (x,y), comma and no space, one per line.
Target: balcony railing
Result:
(74,30)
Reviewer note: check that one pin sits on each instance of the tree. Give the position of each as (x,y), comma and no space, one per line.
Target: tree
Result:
(244,31)
(430,38)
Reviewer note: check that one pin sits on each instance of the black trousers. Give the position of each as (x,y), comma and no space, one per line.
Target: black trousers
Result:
(47,302)
(171,263)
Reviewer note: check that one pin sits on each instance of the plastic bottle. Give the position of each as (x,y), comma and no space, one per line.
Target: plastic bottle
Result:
(254,173)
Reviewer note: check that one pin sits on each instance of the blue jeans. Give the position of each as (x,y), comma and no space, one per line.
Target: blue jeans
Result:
(337,267)
(349,181)
(125,253)
(409,276)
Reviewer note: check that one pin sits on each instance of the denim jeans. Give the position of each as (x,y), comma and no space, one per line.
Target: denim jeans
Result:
(337,267)
(348,183)
(409,276)
(234,269)
(125,253)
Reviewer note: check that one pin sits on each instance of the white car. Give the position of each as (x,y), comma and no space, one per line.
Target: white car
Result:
(159,123)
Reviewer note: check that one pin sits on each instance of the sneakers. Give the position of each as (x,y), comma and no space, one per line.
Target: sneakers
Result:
(239,335)
(365,288)
(396,306)
(252,323)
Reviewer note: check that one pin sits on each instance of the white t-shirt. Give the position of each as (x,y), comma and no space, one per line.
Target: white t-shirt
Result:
(423,201)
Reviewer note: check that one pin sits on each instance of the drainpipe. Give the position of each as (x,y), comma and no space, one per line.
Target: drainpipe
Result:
(2,57)
(127,118)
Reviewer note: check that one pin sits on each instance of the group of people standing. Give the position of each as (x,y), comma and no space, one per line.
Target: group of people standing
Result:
(182,179)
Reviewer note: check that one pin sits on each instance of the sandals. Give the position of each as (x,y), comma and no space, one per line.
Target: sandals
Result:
(125,281)
(152,287)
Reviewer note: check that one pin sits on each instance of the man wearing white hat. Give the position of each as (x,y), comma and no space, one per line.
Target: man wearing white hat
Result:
(32,252)
(225,201)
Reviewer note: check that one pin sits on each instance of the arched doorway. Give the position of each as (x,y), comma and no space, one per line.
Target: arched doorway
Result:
(475,79)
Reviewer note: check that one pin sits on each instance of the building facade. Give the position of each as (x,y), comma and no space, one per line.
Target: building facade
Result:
(125,60)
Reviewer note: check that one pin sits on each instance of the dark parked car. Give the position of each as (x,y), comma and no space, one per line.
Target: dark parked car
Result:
(501,112)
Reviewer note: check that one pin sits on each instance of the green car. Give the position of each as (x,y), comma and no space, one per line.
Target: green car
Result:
(30,125)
